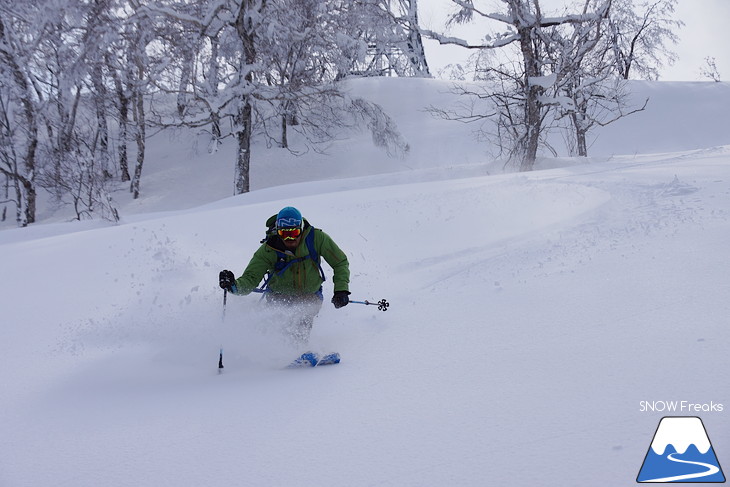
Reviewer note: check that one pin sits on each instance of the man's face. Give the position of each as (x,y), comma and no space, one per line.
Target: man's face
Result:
(292,244)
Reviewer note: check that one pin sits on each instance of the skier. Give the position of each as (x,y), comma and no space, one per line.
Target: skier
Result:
(290,255)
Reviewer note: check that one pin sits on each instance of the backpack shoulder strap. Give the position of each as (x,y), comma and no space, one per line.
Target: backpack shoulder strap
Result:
(309,241)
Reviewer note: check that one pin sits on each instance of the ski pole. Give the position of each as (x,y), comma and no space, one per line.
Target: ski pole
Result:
(382,304)
(223,321)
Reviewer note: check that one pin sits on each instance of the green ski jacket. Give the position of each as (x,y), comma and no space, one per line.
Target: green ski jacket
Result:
(301,277)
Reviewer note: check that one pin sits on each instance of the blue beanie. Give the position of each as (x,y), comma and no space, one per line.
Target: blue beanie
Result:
(289,217)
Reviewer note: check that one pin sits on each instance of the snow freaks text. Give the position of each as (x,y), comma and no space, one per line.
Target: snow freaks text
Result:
(679,407)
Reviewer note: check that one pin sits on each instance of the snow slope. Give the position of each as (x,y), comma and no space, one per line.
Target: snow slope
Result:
(530,314)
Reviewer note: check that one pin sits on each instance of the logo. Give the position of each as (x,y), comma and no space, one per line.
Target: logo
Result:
(681,452)
(679,407)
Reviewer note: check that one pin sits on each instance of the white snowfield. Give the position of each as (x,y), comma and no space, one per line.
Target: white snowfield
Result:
(680,432)
(529,313)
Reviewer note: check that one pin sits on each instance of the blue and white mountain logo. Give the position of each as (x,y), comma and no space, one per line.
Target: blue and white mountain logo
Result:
(681,452)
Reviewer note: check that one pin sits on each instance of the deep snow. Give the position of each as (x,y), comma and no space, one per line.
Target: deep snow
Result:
(530,313)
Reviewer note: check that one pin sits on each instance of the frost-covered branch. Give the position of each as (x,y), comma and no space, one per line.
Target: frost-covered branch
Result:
(501,41)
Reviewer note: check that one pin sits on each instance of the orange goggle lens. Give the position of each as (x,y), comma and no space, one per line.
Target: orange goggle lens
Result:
(289,233)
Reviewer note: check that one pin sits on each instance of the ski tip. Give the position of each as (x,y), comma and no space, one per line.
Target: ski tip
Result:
(312,359)
(330,359)
(307,359)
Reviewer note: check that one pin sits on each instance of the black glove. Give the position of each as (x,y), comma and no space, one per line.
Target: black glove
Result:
(227,280)
(340,299)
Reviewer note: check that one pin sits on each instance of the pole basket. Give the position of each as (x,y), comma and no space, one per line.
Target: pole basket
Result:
(382,304)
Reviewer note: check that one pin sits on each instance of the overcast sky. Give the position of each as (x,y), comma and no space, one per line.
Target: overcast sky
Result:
(706,33)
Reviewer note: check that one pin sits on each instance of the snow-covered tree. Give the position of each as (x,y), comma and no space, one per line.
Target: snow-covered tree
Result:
(56,132)
(19,136)
(640,33)
(519,89)
(390,28)
(75,160)
(267,67)
(709,70)
(586,92)
(79,78)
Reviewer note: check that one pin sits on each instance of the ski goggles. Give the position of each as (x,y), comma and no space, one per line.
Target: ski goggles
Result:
(289,233)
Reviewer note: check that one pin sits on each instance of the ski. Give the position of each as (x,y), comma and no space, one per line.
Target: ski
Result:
(312,359)
(329,359)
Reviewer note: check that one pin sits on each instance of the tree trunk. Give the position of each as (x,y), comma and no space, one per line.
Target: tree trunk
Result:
(123,129)
(212,88)
(580,138)
(533,119)
(138,110)
(243,156)
(416,52)
(284,138)
(29,202)
(579,126)
(140,136)
(122,102)
(246,32)
(100,96)
(185,76)
(27,179)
